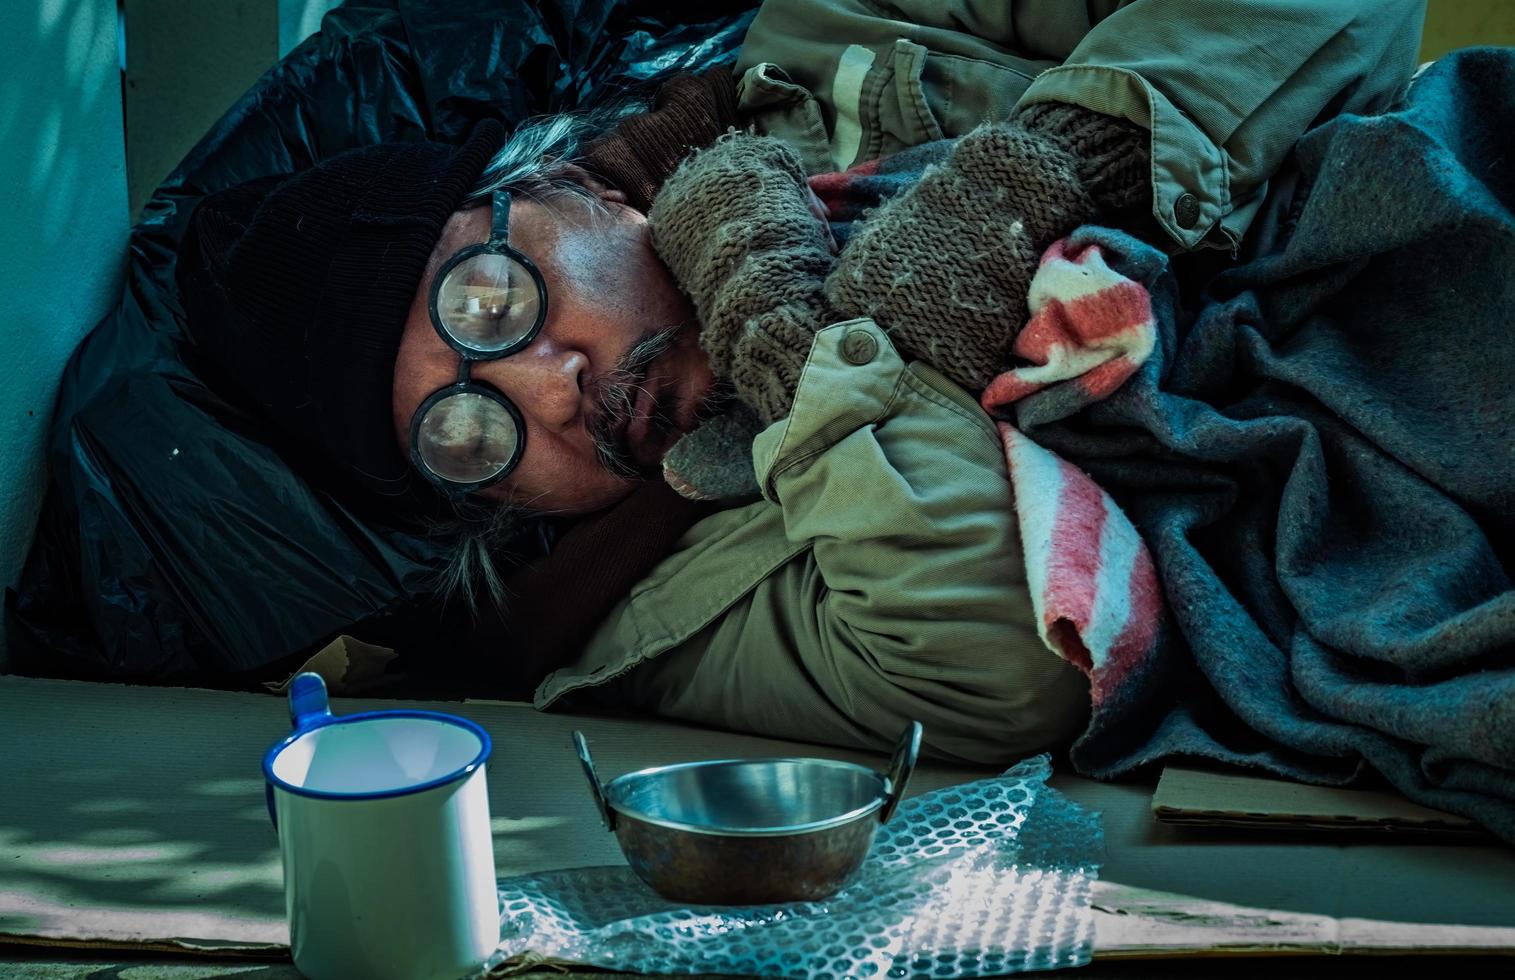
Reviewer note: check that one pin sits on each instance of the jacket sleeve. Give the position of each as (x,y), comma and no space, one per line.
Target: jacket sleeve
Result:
(906,596)
(1228,88)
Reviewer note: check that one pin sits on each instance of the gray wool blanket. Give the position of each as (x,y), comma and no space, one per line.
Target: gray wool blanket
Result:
(1320,457)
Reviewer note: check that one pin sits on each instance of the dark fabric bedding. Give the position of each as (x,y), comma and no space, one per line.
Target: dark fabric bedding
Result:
(1320,456)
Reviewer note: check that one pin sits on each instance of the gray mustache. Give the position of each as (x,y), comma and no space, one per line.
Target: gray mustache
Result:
(616,394)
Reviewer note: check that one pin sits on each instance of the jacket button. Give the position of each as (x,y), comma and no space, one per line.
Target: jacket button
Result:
(1186,210)
(859,347)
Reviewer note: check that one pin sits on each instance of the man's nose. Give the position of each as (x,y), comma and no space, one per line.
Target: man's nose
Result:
(546,381)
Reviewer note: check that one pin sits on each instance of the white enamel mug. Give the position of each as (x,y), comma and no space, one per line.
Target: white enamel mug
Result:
(383,823)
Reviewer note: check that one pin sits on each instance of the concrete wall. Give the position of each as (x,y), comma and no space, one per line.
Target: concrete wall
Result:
(1465,23)
(63,224)
(187,61)
(299,19)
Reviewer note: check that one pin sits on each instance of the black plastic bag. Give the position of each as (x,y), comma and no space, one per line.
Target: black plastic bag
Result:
(175,543)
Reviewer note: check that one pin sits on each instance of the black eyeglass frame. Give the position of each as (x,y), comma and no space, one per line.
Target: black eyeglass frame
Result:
(498,244)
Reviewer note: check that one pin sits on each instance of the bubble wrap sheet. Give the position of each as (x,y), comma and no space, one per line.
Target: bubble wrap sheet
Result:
(982,879)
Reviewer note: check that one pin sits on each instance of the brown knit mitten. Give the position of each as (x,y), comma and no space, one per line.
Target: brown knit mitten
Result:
(945,266)
(735,226)
(714,460)
(1113,155)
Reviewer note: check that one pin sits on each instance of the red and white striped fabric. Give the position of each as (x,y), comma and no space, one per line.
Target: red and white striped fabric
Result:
(1093,584)
(1090,329)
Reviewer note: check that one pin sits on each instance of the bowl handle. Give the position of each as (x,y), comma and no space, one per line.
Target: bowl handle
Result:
(606,813)
(905,753)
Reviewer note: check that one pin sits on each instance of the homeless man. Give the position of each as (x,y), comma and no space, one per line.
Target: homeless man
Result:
(498,326)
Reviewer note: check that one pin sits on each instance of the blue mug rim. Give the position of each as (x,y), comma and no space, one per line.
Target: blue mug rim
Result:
(486,746)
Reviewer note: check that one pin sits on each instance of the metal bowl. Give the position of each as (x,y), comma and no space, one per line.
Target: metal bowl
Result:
(750,832)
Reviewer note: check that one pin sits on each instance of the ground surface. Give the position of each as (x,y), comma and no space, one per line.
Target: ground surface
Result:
(22,964)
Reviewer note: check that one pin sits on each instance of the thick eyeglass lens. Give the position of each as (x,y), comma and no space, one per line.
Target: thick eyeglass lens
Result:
(467,438)
(488,302)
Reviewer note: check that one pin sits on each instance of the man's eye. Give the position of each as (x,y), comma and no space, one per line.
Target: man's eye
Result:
(488,303)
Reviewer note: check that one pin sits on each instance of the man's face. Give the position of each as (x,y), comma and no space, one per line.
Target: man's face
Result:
(608,296)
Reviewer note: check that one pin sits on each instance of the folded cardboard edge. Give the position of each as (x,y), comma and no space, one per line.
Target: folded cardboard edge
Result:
(1199,798)
(1129,923)
(1241,952)
(1137,922)
(1223,820)
(193,947)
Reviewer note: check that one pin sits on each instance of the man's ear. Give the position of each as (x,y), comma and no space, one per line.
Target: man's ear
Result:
(595,185)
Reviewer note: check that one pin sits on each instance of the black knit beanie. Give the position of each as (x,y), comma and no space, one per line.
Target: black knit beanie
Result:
(296,290)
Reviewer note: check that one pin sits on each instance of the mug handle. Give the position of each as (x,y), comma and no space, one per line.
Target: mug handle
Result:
(906,752)
(307,701)
(307,708)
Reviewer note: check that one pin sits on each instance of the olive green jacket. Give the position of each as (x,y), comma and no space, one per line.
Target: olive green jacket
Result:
(1226,88)
(880,579)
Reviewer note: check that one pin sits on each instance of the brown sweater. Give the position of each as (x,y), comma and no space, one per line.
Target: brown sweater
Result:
(689,112)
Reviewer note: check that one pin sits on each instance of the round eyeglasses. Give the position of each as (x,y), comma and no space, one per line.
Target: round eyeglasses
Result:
(487,302)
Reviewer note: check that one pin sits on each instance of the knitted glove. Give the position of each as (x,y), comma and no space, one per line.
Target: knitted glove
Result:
(714,461)
(1113,155)
(945,266)
(736,228)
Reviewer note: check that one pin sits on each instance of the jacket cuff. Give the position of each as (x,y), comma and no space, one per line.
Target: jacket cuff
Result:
(849,381)
(1191,183)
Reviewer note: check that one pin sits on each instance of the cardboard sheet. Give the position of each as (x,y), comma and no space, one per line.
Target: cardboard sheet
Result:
(134,816)
(1195,798)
